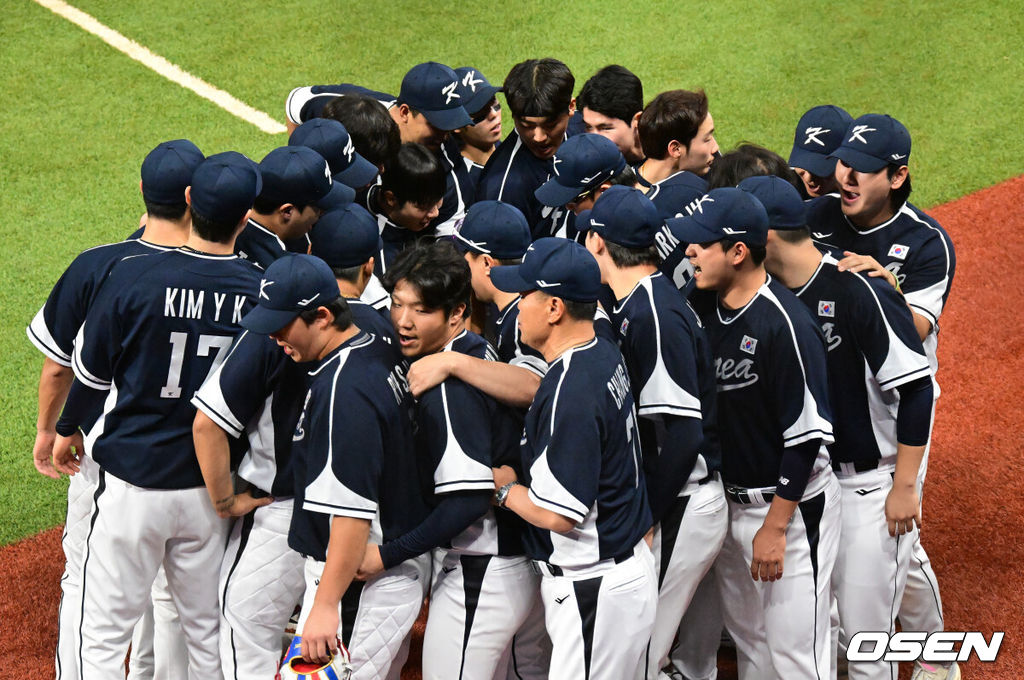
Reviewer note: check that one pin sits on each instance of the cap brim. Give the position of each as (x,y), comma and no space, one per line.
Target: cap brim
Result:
(554,194)
(815,163)
(357,175)
(582,222)
(448,119)
(339,196)
(266,321)
(507,279)
(859,161)
(480,98)
(688,230)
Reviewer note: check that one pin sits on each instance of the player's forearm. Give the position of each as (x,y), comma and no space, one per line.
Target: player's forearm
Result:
(922,324)
(908,463)
(518,501)
(344,555)
(214,454)
(80,402)
(780,514)
(511,385)
(54,385)
(453,514)
(671,468)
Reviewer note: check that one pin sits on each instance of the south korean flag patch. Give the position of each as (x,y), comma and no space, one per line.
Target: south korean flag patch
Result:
(899,251)
(826,308)
(748,344)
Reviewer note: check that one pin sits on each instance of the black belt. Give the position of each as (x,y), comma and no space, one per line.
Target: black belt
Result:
(858,465)
(556,570)
(742,496)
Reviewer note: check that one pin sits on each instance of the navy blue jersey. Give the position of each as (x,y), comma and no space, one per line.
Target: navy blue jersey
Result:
(464,433)
(259,245)
(55,325)
(581,458)
(459,190)
(676,196)
(772,383)
(353,451)
(160,325)
(510,346)
(306,103)
(512,175)
(473,172)
(669,361)
(873,348)
(911,245)
(576,125)
(372,320)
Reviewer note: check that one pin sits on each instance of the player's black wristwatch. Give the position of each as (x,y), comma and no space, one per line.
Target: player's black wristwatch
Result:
(502,494)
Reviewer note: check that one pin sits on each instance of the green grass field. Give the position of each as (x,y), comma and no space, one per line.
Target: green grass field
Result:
(77,117)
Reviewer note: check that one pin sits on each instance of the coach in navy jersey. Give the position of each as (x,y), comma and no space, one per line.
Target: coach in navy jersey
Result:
(166,172)
(773,424)
(159,326)
(539,95)
(669,363)
(582,487)
(881,392)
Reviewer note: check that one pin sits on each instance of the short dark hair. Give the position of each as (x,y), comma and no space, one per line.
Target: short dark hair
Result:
(437,270)
(209,230)
(750,160)
(350,274)
(539,88)
(166,211)
(673,115)
(793,235)
(338,307)
(897,197)
(265,206)
(627,177)
(757,253)
(614,91)
(374,132)
(414,174)
(623,256)
(580,311)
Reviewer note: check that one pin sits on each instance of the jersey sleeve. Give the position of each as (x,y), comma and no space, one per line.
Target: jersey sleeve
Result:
(98,343)
(929,277)
(663,363)
(885,333)
(800,382)
(239,387)
(564,477)
(457,426)
(348,485)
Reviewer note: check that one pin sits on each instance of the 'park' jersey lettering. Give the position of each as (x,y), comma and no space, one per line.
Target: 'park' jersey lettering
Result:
(675,196)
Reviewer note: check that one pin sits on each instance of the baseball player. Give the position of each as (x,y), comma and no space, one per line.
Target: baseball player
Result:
(610,104)
(750,160)
(483,586)
(818,134)
(773,425)
(666,353)
(330,139)
(374,132)
(882,234)
(354,463)
(582,489)
(477,142)
(159,326)
(539,95)
(881,393)
(166,171)
(297,189)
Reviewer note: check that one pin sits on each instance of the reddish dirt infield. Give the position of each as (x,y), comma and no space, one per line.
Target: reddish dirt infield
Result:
(974,515)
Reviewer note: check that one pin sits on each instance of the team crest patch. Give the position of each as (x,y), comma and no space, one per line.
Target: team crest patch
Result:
(826,308)
(898,251)
(748,344)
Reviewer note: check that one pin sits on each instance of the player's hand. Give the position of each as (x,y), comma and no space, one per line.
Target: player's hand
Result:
(769,550)
(649,538)
(865,263)
(902,510)
(67,452)
(42,453)
(320,634)
(372,563)
(429,371)
(503,475)
(242,504)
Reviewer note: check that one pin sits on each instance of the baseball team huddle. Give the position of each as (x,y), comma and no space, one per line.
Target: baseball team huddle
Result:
(595,392)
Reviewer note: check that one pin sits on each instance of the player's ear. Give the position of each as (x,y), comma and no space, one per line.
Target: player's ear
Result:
(457,315)
(899,177)
(572,106)
(676,149)
(140,186)
(404,112)
(287,211)
(188,193)
(555,310)
(387,197)
(368,268)
(635,123)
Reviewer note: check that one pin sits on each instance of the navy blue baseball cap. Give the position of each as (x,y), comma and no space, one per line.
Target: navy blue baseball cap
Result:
(330,139)
(726,213)
(168,169)
(786,210)
(299,175)
(494,228)
(291,285)
(346,237)
(432,89)
(474,89)
(224,187)
(582,162)
(819,133)
(623,215)
(872,142)
(556,266)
